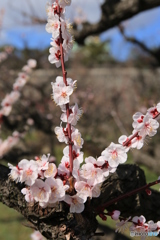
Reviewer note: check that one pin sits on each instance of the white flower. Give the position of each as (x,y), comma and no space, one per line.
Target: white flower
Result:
(15,173)
(51,171)
(115,154)
(32,63)
(30,171)
(61,94)
(57,190)
(115,214)
(37,236)
(62,134)
(85,190)
(76,138)
(136,142)
(53,26)
(20,82)
(75,114)
(43,162)
(64,166)
(76,203)
(122,225)
(11,98)
(28,196)
(41,192)
(149,127)
(138,120)
(91,174)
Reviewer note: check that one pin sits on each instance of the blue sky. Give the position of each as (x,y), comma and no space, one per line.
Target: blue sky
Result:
(17,32)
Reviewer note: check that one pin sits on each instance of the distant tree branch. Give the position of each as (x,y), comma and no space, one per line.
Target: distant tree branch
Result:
(153,52)
(113,13)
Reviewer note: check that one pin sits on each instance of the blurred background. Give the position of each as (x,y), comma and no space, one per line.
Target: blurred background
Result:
(118,73)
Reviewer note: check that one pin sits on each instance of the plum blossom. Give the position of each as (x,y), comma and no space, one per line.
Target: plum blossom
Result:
(15,173)
(43,162)
(57,189)
(136,142)
(149,127)
(76,138)
(115,214)
(115,154)
(62,134)
(10,99)
(76,203)
(139,224)
(75,114)
(51,171)
(9,143)
(61,94)
(53,26)
(86,190)
(122,225)
(138,120)
(91,174)
(29,171)
(41,192)
(32,63)
(28,196)
(36,235)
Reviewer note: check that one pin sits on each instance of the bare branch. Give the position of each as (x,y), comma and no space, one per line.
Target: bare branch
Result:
(154,53)
(113,13)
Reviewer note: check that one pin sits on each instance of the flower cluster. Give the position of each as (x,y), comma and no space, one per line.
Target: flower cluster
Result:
(9,143)
(144,125)
(14,95)
(59,28)
(138,225)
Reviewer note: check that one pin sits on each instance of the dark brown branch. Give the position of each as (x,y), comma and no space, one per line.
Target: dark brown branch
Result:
(57,222)
(113,13)
(154,53)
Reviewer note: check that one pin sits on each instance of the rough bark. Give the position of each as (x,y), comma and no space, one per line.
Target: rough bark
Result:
(58,223)
(113,13)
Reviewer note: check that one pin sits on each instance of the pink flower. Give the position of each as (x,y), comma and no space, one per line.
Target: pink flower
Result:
(53,26)
(57,190)
(10,99)
(76,203)
(32,63)
(29,171)
(51,171)
(85,190)
(61,94)
(115,214)
(41,192)
(28,196)
(115,154)
(75,114)
(37,236)
(62,134)
(15,173)
(91,174)
(76,138)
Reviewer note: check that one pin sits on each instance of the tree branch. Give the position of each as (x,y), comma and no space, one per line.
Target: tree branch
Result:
(154,53)
(113,13)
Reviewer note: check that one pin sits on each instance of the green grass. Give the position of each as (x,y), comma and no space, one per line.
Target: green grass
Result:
(11,225)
